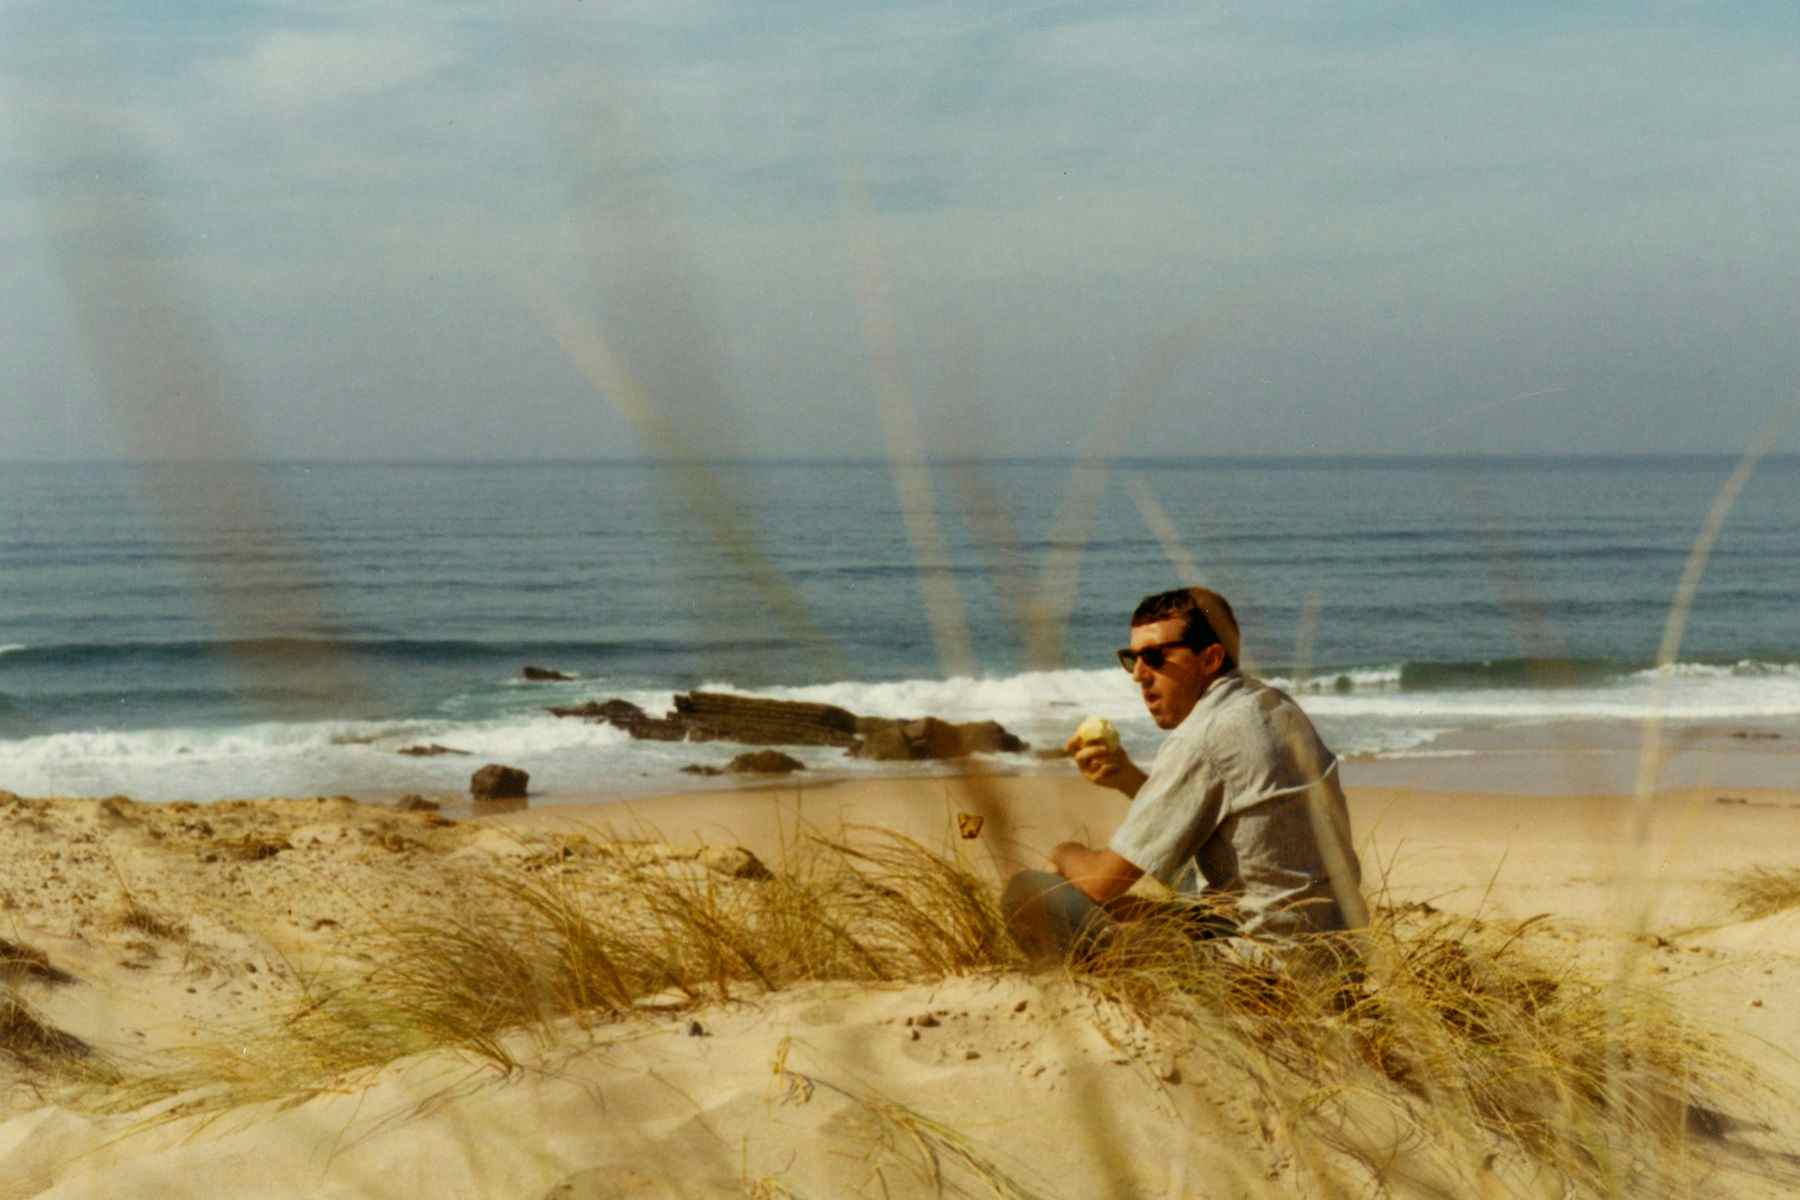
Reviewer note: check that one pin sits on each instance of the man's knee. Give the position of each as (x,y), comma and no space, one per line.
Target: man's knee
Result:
(1026,886)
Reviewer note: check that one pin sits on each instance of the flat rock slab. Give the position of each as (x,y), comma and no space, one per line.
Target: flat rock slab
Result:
(754,721)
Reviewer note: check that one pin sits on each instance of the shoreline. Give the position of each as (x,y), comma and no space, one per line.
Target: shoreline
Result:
(1581,756)
(1588,757)
(1567,761)
(1539,762)
(1720,729)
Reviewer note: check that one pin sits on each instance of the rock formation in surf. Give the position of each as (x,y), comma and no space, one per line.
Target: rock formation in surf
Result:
(754,721)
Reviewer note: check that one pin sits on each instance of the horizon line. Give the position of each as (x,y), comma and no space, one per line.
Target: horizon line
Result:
(1136,460)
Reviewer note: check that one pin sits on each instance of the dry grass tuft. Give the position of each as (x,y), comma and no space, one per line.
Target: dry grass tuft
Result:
(28,1039)
(1441,1035)
(1763,891)
(135,917)
(31,1043)
(559,937)
(554,942)
(132,913)
(21,961)
(934,1154)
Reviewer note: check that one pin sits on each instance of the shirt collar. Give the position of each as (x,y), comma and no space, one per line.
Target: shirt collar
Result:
(1223,684)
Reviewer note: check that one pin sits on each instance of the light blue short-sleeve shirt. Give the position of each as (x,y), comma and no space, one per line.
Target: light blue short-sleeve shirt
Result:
(1236,804)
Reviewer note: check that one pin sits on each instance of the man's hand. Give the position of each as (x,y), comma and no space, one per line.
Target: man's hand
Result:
(1106,764)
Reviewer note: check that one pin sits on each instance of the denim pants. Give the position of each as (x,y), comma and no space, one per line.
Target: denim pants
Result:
(1049,917)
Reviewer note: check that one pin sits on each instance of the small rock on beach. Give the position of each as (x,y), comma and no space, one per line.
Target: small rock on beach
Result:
(498,782)
(765,762)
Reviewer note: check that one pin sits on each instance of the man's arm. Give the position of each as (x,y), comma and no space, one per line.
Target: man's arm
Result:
(1101,874)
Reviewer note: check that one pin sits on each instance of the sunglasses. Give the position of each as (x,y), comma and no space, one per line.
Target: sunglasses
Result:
(1150,656)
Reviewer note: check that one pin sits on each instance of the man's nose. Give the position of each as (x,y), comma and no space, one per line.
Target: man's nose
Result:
(1141,673)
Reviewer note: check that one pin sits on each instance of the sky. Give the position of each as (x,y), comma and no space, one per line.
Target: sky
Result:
(349,230)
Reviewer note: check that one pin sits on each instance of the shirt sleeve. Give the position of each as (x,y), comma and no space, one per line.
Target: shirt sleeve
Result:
(1180,805)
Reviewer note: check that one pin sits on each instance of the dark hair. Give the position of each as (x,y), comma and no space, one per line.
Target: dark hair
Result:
(1208,615)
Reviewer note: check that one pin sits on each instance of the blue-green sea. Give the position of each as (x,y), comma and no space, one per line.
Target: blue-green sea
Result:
(209,630)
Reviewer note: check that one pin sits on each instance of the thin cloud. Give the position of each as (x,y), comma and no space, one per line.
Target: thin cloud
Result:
(1433,208)
(289,70)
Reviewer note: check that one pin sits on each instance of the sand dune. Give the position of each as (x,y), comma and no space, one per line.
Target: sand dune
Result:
(177,924)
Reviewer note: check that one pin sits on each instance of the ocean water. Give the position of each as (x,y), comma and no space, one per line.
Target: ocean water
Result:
(204,631)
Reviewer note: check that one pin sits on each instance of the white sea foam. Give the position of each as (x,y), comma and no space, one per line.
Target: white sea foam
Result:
(1746,668)
(1042,707)
(510,725)
(1697,696)
(13,647)
(1357,679)
(1375,737)
(575,678)
(1371,715)
(966,698)
(297,758)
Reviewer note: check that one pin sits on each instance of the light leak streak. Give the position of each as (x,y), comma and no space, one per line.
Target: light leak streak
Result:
(906,451)
(1489,405)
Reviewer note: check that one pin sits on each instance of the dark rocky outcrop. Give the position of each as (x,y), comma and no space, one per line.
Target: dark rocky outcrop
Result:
(544,675)
(702,769)
(765,762)
(713,716)
(883,743)
(594,710)
(668,729)
(430,750)
(629,717)
(753,721)
(893,741)
(498,782)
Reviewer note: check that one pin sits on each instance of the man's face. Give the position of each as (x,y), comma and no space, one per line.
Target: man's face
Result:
(1171,692)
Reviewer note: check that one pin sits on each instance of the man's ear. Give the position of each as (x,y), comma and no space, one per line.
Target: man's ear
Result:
(1212,659)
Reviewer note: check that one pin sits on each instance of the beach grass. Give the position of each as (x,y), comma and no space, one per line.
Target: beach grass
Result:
(21,960)
(139,919)
(29,1041)
(1442,1038)
(934,1153)
(601,932)
(42,1054)
(1763,891)
(1424,1055)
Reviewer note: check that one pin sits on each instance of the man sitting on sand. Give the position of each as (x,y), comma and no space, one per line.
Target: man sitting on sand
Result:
(1243,793)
